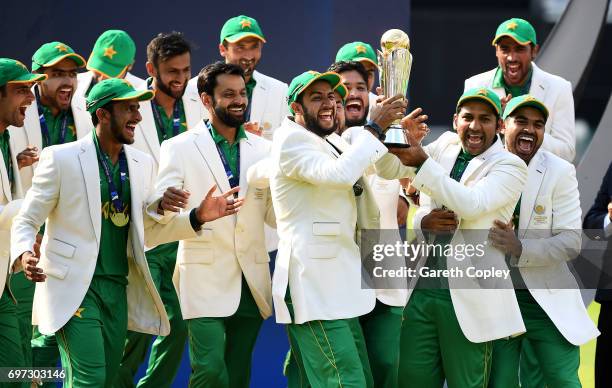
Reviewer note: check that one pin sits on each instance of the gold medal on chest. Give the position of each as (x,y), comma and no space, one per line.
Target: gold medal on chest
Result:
(120,219)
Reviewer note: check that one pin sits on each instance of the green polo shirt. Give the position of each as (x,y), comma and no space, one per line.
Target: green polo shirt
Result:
(6,154)
(112,260)
(249,88)
(519,90)
(439,286)
(54,126)
(229,150)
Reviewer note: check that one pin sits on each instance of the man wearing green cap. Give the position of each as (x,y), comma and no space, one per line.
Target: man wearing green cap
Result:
(15,96)
(222,278)
(543,235)
(168,114)
(516,47)
(365,54)
(93,284)
(467,180)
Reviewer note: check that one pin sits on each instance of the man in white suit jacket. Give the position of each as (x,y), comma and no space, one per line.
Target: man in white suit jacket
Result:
(452,318)
(222,278)
(15,96)
(516,47)
(94,281)
(169,113)
(546,234)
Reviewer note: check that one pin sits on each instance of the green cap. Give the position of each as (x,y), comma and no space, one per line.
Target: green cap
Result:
(112,54)
(114,89)
(483,94)
(342,90)
(240,27)
(13,72)
(304,80)
(51,53)
(518,29)
(357,51)
(525,100)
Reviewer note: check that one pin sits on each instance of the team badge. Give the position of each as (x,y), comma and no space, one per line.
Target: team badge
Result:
(539,209)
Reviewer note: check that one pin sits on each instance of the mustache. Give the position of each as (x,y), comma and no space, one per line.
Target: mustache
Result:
(243,106)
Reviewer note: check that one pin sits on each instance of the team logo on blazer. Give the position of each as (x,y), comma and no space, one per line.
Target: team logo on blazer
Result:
(539,209)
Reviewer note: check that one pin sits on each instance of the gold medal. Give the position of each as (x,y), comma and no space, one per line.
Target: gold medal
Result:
(120,219)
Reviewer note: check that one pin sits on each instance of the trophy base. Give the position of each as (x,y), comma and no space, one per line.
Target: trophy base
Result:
(395,137)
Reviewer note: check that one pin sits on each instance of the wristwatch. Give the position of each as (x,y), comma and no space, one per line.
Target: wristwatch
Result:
(379,131)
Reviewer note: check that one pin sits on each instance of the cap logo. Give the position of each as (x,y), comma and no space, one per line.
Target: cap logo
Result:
(360,49)
(61,47)
(245,24)
(482,92)
(511,26)
(109,52)
(529,98)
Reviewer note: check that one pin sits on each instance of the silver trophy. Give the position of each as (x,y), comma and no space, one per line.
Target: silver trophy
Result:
(395,62)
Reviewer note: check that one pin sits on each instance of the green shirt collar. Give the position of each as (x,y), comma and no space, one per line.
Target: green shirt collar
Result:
(218,138)
(250,86)
(519,90)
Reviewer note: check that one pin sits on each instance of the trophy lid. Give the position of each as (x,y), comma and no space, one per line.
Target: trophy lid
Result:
(394,39)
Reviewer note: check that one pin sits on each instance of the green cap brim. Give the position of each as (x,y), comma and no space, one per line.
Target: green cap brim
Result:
(236,37)
(342,90)
(513,36)
(140,95)
(79,60)
(332,78)
(104,68)
(481,98)
(533,104)
(27,78)
(366,59)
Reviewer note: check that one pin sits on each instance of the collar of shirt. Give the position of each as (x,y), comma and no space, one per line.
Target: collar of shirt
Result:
(219,139)
(250,86)
(518,90)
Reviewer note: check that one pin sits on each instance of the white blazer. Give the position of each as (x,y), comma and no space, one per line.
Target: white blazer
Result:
(489,190)
(11,198)
(31,135)
(556,93)
(316,215)
(550,232)
(146,138)
(208,274)
(66,194)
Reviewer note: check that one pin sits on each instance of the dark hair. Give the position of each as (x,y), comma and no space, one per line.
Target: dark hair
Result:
(166,46)
(342,66)
(108,106)
(3,90)
(207,79)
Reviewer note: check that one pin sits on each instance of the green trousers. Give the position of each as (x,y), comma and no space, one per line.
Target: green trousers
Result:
(91,343)
(327,354)
(11,354)
(530,372)
(558,359)
(23,291)
(220,349)
(166,351)
(433,347)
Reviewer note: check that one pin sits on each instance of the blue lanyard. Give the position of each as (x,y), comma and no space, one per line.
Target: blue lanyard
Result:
(176,119)
(43,122)
(123,170)
(233,180)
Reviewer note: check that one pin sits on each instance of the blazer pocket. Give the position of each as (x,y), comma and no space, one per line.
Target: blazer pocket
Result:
(194,255)
(325,228)
(61,248)
(323,251)
(57,270)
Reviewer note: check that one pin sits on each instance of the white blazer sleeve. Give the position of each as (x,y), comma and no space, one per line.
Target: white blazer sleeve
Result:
(561,140)
(502,185)
(564,245)
(38,203)
(302,160)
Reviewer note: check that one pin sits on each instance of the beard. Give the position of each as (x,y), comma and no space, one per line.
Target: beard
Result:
(117,131)
(360,122)
(159,84)
(312,124)
(228,119)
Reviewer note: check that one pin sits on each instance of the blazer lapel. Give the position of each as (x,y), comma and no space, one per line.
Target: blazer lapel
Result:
(31,126)
(208,149)
(247,153)
(539,87)
(535,177)
(6,187)
(478,161)
(449,156)
(91,176)
(136,188)
(17,189)
(193,109)
(258,100)
(148,130)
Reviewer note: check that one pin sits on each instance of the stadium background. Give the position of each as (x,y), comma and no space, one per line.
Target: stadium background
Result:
(450,41)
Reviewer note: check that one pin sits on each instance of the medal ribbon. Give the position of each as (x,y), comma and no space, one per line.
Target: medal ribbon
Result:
(43,122)
(233,180)
(176,119)
(123,171)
